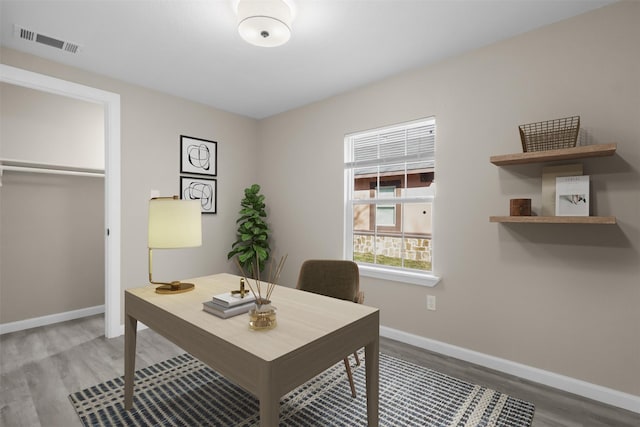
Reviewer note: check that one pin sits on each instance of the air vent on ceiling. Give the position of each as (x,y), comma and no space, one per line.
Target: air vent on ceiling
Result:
(32,36)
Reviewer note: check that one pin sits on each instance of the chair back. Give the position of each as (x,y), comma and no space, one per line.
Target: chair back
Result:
(333,278)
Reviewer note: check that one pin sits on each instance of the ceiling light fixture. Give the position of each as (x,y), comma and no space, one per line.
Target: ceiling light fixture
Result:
(265,23)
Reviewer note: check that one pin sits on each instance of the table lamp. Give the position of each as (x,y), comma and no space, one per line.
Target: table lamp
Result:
(173,223)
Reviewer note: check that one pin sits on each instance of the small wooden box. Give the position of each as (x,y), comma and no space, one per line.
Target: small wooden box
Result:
(520,207)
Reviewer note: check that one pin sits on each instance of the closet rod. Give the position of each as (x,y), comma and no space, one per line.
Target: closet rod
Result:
(50,171)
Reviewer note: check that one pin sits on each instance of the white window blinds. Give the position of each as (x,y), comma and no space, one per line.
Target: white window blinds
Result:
(412,144)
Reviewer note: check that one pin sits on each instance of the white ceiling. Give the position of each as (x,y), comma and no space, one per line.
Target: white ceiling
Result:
(191,48)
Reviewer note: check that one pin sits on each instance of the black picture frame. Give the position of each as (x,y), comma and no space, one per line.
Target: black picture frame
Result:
(203,189)
(198,156)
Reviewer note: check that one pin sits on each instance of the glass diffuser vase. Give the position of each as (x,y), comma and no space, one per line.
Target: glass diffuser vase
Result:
(262,316)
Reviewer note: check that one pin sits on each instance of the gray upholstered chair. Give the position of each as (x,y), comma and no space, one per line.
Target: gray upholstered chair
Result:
(337,279)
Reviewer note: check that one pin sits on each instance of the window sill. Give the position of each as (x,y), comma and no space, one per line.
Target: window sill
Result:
(421,279)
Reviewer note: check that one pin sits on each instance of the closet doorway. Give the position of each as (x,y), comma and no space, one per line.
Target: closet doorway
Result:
(111,105)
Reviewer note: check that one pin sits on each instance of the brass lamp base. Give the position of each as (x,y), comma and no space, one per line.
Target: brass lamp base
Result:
(175,288)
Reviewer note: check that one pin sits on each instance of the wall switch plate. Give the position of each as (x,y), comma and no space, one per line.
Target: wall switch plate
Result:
(431,302)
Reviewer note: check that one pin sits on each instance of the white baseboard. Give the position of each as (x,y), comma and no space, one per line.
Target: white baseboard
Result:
(605,395)
(21,325)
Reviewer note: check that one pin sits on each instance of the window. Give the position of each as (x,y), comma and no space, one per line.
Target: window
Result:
(386,214)
(390,191)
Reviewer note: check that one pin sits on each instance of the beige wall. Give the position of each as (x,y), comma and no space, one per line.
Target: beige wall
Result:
(51,226)
(562,298)
(51,244)
(47,128)
(151,125)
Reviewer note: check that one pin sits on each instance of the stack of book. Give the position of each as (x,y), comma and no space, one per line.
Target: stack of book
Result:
(228,305)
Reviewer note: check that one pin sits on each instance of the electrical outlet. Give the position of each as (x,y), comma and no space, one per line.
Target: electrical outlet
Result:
(431,302)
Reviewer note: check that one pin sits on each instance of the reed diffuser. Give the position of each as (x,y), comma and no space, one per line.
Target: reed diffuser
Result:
(263,315)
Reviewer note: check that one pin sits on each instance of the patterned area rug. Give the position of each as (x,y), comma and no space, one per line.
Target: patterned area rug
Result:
(184,392)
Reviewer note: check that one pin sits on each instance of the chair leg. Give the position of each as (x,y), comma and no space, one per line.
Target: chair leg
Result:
(351,384)
(355,354)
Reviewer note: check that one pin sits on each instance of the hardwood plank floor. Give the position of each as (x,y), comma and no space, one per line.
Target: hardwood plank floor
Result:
(40,367)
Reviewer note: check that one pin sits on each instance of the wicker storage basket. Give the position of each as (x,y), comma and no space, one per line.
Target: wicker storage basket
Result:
(550,134)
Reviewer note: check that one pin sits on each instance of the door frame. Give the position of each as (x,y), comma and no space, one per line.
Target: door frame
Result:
(111,104)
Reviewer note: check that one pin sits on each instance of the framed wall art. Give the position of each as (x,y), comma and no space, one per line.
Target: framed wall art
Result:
(572,195)
(198,156)
(203,189)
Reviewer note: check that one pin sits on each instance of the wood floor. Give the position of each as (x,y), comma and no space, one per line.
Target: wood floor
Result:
(40,367)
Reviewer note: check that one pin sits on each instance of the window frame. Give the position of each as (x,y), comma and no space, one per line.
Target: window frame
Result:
(398,274)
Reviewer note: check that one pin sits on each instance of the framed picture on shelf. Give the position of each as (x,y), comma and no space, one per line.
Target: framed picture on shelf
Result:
(549,175)
(572,195)
(198,156)
(203,189)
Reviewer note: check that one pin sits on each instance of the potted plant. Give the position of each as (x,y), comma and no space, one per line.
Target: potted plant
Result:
(252,244)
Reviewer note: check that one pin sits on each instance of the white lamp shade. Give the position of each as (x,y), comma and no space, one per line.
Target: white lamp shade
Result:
(174,223)
(264,23)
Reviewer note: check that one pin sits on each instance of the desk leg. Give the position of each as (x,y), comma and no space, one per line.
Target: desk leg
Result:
(372,364)
(269,399)
(130,335)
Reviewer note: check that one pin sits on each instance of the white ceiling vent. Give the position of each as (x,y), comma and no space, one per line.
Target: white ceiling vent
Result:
(32,36)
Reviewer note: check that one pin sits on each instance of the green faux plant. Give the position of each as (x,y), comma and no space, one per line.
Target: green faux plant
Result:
(252,244)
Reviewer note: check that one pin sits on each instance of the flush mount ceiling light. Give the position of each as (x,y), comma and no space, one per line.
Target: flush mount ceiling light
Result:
(265,23)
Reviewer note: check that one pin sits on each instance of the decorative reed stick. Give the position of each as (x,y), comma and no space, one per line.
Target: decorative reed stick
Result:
(271,284)
(276,277)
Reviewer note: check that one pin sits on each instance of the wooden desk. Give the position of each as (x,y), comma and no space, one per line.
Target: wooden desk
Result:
(312,334)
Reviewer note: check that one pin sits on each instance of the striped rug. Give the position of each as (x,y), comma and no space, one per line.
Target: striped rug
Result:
(184,392)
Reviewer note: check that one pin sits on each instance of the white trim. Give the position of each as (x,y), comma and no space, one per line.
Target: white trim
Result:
(113,290)
(50,171)
(20,325)
(111,103)
(602,394)
(403,276)
(52,166)
(392,200)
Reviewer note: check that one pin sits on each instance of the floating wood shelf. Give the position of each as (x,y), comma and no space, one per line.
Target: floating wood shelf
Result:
(599,150)
(555,219)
